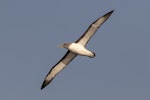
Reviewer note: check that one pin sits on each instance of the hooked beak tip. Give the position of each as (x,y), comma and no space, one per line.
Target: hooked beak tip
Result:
(60,46)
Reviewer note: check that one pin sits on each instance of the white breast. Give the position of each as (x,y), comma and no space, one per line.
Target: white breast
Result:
(79,49)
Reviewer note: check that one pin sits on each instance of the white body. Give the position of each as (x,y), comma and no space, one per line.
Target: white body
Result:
(80,50)
(74,49)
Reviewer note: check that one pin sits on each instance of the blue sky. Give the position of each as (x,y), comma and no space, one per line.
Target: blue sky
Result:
(30,31)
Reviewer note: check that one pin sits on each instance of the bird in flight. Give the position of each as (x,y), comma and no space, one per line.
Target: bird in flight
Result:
(76,48)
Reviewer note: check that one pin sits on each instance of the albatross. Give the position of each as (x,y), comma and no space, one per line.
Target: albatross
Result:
(76,48)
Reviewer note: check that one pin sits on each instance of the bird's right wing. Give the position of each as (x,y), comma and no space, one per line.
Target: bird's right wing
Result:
(58,67)
(83,40)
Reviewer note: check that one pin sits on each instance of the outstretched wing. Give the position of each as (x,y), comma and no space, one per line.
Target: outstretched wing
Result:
(58,67)
(83,40)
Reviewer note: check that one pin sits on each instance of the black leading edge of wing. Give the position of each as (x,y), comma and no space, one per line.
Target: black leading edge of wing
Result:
(83,40)
(69,56)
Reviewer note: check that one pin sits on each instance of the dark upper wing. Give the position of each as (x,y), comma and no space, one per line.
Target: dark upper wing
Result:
(58,67)
(83,40)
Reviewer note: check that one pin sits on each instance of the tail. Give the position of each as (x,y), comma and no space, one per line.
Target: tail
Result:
(93,55)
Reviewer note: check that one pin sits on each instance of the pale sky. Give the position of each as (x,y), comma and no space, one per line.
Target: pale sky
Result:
(31,30)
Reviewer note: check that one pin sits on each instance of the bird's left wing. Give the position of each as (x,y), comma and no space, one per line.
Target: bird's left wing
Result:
(58,67)
(83,40)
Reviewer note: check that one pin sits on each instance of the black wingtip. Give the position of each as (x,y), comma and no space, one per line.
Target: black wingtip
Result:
(109,13)
(112,10)
(45,83)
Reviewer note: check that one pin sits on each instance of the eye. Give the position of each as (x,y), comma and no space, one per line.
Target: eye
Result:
(66,44)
